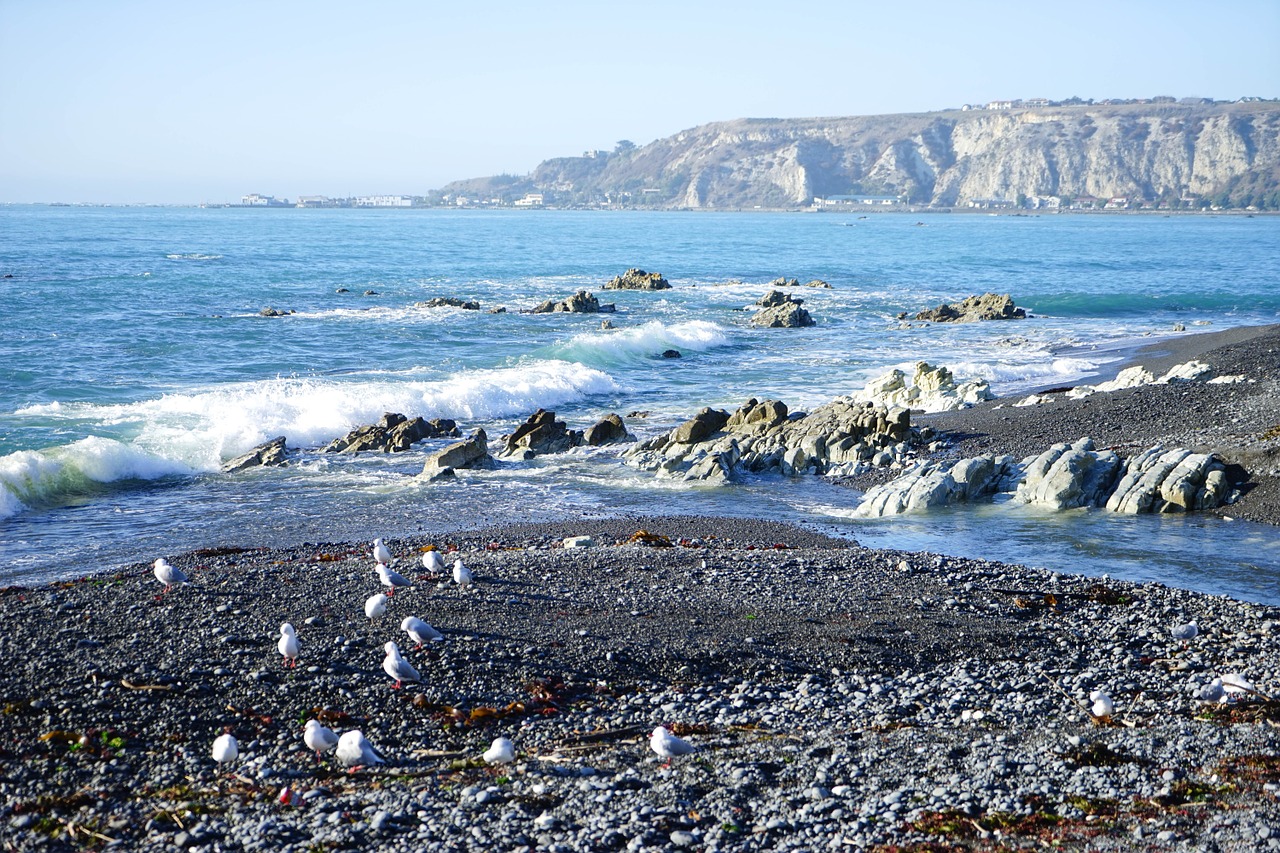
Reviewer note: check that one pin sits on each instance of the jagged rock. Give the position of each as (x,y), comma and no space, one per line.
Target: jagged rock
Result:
(541,433)
(498,309)
(781,311)
(606,325)
(671,353)
(608,430)
(817,282)
(1137,376)
(931,389)
(638,279)
(582,302)
(988,306)
(469,453)
(269,453)
(395,433)
(782,281)
(449,302)
(764,437)
(1160,480)
(1069,475)
(274,312)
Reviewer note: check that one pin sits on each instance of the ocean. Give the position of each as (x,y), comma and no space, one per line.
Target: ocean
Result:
(134,362)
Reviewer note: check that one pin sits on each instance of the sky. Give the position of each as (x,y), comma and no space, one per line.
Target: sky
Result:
(132,101)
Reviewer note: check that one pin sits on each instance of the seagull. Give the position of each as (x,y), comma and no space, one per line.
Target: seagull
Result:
(381,552)
(288,644)
(461,574)
(354,751)
(375,606)
(667,745)
(319,738)
(1186,632)
(1213,692)
(432,561)
(397,667)
(1235,686)
(167,574)
(420,632)
(1102,704)
(225,748)
(501,751)
(391,579)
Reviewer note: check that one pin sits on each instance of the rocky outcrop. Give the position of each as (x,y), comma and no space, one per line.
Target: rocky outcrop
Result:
(1162,480)
(268,454)
(929,389)
(1069,475)
(717,447)
(988,306)
(472,452)
(395,433)
(608,430)
(582,302)
(637,279)
(779,310)
(782,281)
(1225,152)
(269,311)
(449,302)
(1066,476)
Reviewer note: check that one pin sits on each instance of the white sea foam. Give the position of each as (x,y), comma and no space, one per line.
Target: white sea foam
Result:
(198,430)
(192,256)
(613,346)
(38,476)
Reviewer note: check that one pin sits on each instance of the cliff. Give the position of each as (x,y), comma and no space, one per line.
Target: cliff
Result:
(1222,154)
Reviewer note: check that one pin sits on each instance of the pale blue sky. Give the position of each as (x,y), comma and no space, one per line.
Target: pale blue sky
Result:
(133,101)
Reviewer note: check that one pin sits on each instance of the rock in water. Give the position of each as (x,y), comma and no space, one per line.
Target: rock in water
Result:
(470,453)
(395,433)
(638,279)
(582,302)
(781,311)
(269,453)
(541,433)
(988,306)
(608,430)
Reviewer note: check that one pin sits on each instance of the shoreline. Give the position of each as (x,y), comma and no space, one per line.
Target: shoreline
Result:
(832,692)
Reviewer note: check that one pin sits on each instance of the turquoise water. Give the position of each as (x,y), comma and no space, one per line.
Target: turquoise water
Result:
(133,361)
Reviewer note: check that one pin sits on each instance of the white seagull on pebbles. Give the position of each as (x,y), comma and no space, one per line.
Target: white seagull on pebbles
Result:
(225,749)
(461,574)
(391,579)
(381,553)
(355,751)
(319,738)
(375,606)
(667,745)
(1186,632)
(420,632)
(288,645)
(1102,704)
(397,667)
(501,751)
(167,574)
(433,562)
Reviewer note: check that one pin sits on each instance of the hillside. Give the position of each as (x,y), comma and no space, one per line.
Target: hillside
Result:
(1219,154)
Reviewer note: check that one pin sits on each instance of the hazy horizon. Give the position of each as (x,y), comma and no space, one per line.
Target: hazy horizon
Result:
(143,102)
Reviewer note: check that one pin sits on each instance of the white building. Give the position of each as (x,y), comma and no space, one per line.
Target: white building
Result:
(383,201)
(530,200)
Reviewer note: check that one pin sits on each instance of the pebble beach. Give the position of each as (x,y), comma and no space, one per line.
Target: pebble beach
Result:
(837,697)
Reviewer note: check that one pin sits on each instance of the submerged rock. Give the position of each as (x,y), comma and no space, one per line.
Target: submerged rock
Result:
(268,454)
(988,306)
(638,279)
(395,433)
(449,302)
